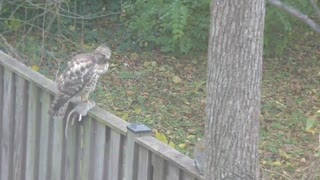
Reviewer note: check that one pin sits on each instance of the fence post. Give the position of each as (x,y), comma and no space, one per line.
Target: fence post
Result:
(134,130)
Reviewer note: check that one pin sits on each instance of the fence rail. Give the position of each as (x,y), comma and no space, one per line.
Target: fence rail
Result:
(100,147)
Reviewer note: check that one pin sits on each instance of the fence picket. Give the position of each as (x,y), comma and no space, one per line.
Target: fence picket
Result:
(71,151)
(7,125)
(19,129)
(57,142)
(114,155)
(85,147)
(158,167)
(33,106)
(173,172)
(187,177)
(44,134)
(144,170)
(98,158)
(1,110)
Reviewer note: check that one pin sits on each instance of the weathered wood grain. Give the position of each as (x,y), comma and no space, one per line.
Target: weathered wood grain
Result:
(1,110)
(144,166)
(158,167)
(44,135)
(80,148)
(107,153)
(131,157)
(178,159)
(33,108)
(123,146)
(114,161)
(108,119)
(19,129)
(99,144)
(85,147)
(26,73)
(172,172)
(7,125)
(57,141)
(186,176)
(71,150)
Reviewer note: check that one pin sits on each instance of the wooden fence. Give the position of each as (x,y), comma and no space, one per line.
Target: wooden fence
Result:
(100,147)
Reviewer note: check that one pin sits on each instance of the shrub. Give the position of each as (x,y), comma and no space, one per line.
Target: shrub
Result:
(174,26)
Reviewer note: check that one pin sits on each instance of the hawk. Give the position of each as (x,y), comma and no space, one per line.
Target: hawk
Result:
(80,78)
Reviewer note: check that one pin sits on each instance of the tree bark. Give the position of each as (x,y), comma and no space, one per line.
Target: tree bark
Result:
(234,89)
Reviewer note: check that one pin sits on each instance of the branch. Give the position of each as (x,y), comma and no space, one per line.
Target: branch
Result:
(9,49)
(297,14)
(1,4)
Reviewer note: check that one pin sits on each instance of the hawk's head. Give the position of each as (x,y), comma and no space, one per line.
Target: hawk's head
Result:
(102,54)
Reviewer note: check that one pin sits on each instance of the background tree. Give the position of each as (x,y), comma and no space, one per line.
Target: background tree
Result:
(234,89)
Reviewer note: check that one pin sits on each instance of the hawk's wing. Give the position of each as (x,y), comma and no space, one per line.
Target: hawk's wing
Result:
(78,73)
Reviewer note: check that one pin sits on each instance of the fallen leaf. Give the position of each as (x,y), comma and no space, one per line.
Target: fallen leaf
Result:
(171,144)
(134,56)
(182,146)
(125,116)
(264,162)
(129,93)
(161,137)
(277,163)
(72,28)
(191,131)
(176,79)
(137,110)
(35,68)
(191,137)
(310,123)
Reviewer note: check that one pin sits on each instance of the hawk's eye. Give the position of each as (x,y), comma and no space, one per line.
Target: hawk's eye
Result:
(100,59)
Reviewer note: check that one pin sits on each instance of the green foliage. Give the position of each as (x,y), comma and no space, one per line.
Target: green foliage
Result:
(279,26)
(178,26)
(182,26)
(13,24)
(163,138)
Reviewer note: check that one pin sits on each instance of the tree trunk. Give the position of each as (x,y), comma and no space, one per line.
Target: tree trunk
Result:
(234,89)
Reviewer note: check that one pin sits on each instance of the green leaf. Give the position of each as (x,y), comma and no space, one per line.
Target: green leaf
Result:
(35,68)
(176,79)
(13,24)
(182,146)
(310,123)
(276,163)
(171,144)
(161,137)
(125,116)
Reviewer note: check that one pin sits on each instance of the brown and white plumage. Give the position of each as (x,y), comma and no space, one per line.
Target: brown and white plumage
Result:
(80,78)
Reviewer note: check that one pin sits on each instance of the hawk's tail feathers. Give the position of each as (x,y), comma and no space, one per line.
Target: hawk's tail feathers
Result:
(59,105)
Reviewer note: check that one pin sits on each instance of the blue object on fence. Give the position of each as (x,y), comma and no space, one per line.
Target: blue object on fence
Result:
(138,128)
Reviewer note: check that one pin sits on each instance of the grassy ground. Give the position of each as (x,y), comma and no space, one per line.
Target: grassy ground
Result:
(168,95)
(290,137)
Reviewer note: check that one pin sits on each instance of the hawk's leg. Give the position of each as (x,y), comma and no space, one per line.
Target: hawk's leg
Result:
(85,98)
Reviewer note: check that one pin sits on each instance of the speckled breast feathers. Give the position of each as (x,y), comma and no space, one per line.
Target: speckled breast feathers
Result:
(81,76)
